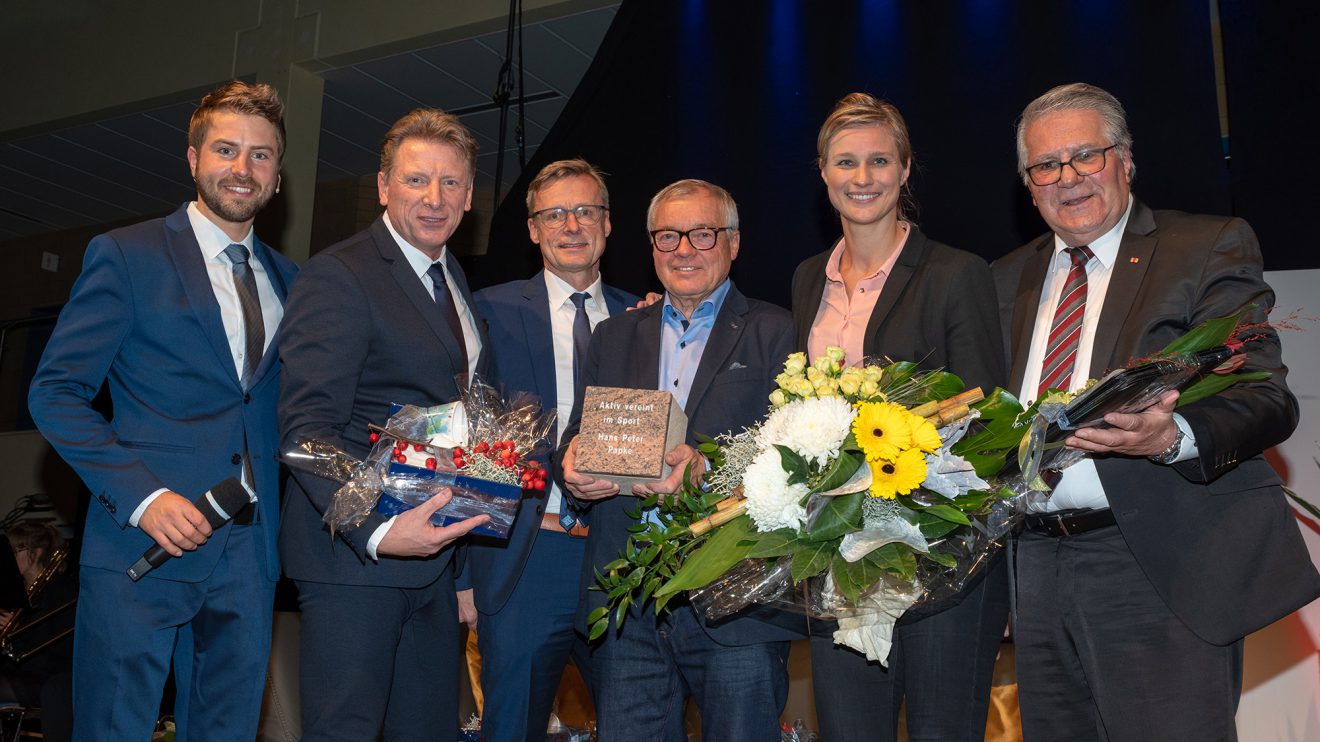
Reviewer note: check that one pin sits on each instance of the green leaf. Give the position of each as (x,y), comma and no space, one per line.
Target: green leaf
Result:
(939,557)
(795,465)
(853,578)
(940,385)
(598,614)
(932,526)
(776,543)
(896,559)
(841,469)
(598,629)
(1213,384)
(812,559)
(725,547)
(949,513)
(1208,334)
(839,515)
(621,610)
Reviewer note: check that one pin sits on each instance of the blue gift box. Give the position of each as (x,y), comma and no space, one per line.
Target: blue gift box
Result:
(409,486)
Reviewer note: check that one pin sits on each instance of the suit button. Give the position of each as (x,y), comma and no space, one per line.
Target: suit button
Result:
(540,510)
(247,399)
(236,459)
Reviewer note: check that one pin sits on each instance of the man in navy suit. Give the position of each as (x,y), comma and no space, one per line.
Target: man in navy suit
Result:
(383,317)
(717,352)
(526,590)
(178,317)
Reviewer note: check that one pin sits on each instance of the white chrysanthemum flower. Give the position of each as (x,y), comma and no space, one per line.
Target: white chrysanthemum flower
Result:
(813,428)
(772,502)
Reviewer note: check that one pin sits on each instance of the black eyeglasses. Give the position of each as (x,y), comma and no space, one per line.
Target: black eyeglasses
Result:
(556,217)
(701,238)
(1084,163)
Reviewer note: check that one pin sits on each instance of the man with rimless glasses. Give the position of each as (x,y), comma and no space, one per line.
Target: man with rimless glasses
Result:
(1154,556)
(717,352)
(526,589)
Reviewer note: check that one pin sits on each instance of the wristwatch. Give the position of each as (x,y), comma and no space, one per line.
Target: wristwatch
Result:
(1168,455)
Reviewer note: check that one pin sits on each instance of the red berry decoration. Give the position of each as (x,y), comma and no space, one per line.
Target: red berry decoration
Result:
(431,463)
(374,436)
(418,447)
(401,459)
(458,452)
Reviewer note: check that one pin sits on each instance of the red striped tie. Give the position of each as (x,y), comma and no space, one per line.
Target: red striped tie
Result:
(1061,350)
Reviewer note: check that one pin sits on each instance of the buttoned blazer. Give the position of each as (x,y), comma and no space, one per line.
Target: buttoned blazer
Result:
(937,309)
(1214,535)
(143,320)
(730,391)
(522,358)
(361,332)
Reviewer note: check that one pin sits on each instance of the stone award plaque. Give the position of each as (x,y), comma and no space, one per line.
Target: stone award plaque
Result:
(625,434)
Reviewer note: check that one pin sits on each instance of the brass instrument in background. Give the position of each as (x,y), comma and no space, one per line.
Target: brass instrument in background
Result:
(10,647)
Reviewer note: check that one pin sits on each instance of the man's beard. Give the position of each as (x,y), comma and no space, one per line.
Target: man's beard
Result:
(213,195)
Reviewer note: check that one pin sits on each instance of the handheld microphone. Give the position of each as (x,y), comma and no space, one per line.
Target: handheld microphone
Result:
(218,505)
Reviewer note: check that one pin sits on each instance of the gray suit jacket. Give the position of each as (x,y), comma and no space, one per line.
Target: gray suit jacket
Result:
(1214,535)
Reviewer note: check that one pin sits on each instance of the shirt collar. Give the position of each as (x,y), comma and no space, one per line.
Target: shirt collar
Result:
(1105,247)
(707,308)
(832,266)
(559,291)
(420,261)
(210,237)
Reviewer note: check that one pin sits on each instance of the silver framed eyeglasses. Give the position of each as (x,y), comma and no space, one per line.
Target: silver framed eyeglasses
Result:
(1085,162)
(701,238)
(588,214)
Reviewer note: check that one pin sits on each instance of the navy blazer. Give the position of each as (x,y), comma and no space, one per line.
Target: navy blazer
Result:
(1214,535)
(361,332)
(731,389)
(522,358)
(143,319)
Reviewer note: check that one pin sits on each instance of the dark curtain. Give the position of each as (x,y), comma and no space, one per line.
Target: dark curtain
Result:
(734,92)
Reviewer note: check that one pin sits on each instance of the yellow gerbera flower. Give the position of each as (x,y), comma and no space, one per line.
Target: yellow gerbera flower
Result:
(904,473)
(924,435)
(881,429)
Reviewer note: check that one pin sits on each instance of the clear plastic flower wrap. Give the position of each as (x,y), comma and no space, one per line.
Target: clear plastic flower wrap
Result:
(419,453)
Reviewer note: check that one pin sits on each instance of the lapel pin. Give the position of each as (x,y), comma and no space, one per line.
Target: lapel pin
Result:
(1134,259)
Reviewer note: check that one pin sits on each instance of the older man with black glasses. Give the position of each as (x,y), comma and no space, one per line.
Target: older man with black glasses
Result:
(717,352)
(1155,555)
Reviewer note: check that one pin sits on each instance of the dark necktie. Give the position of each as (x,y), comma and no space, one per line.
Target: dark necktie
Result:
(254,328)
(581,333)
(1066,331)
(581,340)
(444,299)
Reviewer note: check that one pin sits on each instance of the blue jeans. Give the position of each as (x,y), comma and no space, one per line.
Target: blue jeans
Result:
(645,672)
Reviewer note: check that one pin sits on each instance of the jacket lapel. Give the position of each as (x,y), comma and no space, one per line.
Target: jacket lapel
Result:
(187,257)
(895,283)
(537,331)
(1026,304)
(812,291)
(1125,278)
(262,253)
(646,349)
(411,286)
(729,324)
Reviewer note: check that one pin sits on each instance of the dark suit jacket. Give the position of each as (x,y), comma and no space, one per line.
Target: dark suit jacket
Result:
(730,391)
(1214,535)
(143,320)
(522,358)
(360,333)
(936,309)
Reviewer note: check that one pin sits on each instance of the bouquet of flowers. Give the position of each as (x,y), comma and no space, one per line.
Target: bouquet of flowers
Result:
(481,448)
(862,493)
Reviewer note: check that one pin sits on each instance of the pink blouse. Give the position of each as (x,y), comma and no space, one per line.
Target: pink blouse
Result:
(841,319)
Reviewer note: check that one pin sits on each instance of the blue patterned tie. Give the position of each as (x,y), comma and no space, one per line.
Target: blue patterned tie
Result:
(254,328)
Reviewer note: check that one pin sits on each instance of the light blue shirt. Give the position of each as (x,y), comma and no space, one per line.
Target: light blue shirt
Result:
(682,341)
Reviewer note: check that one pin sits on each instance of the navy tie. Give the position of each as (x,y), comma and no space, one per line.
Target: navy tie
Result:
(581,340)
(254,328)
(444,299)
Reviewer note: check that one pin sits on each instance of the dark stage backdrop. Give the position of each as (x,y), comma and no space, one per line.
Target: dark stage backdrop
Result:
(734,92)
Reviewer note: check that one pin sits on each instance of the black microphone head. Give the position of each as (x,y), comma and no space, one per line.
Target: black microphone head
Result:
(223,501)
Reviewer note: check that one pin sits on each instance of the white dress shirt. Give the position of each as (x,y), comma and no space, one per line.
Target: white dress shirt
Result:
(562,315)
(1080,485)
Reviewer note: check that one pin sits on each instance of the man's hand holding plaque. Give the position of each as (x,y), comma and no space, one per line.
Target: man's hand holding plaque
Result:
(632,439)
